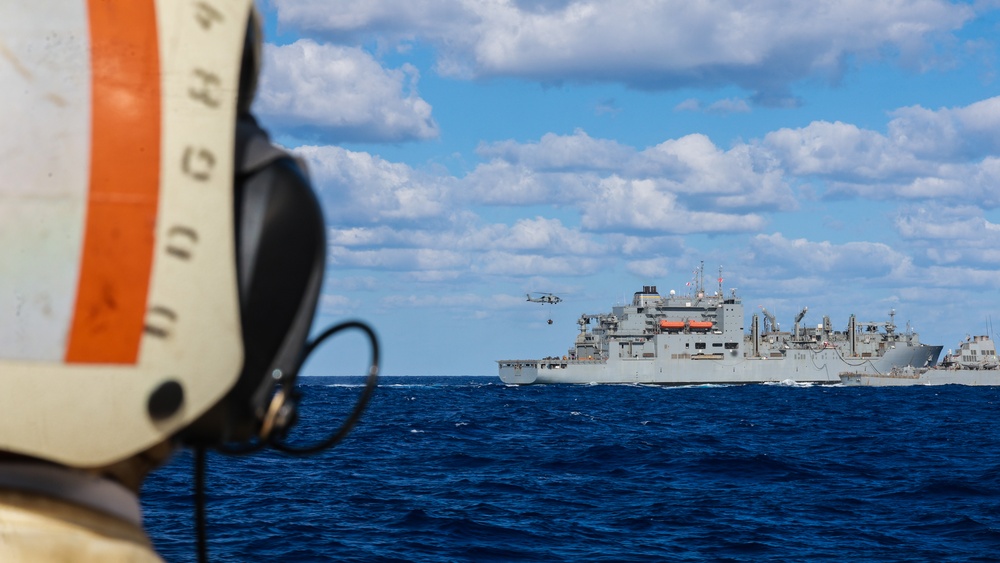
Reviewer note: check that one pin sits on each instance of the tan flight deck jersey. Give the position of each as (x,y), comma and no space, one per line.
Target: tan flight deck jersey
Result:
(96,520)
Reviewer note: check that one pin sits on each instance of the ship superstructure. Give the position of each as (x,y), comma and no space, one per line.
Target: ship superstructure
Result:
(700,338)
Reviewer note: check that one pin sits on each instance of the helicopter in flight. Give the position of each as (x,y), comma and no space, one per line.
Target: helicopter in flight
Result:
(544,298)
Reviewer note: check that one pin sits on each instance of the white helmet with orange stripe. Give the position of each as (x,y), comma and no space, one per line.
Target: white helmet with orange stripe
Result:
(158,270)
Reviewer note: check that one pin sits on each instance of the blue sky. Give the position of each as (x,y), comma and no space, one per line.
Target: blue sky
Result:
(839,155)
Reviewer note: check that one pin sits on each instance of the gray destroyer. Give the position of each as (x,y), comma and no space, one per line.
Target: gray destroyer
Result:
(974,362)
(700,339)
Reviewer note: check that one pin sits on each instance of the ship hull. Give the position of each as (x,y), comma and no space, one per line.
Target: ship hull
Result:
(820,366)
(983,377)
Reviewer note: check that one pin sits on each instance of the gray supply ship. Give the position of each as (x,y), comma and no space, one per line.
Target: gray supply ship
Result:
(700,339)
(974,362)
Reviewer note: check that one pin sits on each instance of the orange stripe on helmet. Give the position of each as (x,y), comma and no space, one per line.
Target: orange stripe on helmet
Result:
(119,235)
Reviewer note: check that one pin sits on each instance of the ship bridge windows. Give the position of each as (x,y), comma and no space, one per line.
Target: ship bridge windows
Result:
(699,345)
(732,345)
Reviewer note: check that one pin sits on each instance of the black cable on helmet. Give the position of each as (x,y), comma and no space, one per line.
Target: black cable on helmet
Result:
(199,503)
(371,382)
(359,407)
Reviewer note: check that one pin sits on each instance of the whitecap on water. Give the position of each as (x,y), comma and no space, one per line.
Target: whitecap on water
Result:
(789,383)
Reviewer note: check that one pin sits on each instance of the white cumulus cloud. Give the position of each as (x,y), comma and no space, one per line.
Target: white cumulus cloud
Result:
(578,151)
(762,46)
(945,154)
(681,185)
(948,235)
(641,205)
(799,256)
(338,93)
(358,188)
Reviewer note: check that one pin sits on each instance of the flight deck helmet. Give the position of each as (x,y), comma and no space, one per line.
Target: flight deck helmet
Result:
(160,260)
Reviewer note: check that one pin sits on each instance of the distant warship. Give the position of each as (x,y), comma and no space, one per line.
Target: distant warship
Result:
(975,362)
(700,339)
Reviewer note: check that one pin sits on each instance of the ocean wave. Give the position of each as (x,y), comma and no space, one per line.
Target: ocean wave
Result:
(445,470)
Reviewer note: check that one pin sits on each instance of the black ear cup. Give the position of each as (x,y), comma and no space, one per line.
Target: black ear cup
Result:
(280,256)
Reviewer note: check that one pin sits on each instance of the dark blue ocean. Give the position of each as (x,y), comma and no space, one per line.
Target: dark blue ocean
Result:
(468,469)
